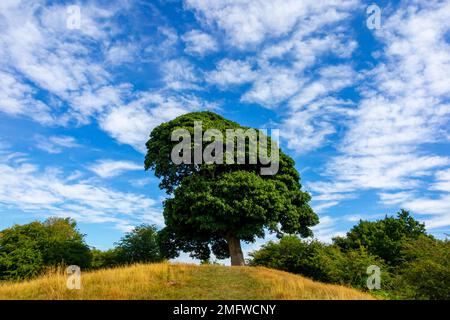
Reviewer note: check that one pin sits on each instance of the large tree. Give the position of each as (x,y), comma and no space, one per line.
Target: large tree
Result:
(213,206)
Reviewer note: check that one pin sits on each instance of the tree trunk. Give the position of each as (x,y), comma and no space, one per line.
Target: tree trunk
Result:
(234,246)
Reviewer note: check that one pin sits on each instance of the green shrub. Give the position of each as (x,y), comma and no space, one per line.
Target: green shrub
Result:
(25,250)
(289,254)
(139,245)
(326,263)
(350,267)
(105,259)
(426,272)
(21,263)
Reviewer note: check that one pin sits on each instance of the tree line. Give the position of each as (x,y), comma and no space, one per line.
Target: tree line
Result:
(413,263)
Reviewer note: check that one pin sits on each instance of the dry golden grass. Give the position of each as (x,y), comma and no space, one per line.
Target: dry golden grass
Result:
(179,281)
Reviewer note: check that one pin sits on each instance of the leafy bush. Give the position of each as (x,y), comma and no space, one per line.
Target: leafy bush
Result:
(105,259)
(350,267)
(326,263)
(25,250)
(289,254)
(23,262)
(426,272)
(139,245)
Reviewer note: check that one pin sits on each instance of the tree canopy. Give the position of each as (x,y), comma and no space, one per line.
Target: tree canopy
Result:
(214,206)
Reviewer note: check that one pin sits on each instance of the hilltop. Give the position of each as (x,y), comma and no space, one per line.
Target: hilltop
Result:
(179,281)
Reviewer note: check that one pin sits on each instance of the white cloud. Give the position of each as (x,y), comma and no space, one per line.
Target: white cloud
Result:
(442,181)
(47,193)
(283,73)
(179,74)
(437,209)
(199,43)
(165,44)
(248,23)
(121,53)
(87,102)
(17,98)
(396,198)
(404,106)
(132,123)
(331,79)
(139,183)
(326,230)
(323,206)
(55,144)
(41,55)
(272,87)
(435,203)
(308,127)
(72,68)
(111,168)
(231,72)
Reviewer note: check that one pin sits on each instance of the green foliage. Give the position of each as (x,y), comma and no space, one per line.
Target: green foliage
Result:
(23,262)
(26,249)
(426,272)
(139,245)
(289,254)
(384,238)
(213,204)
(105,259)
(326,263)
(350,267)
(421,269)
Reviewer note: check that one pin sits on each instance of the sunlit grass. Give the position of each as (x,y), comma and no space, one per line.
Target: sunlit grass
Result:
(179,281)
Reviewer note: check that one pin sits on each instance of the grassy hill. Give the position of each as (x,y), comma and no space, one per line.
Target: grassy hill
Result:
(179,281)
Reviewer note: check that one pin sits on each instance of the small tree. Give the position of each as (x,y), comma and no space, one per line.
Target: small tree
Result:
(215,206)
(139,245)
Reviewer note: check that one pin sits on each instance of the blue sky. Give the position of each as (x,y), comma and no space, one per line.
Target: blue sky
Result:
(364,112)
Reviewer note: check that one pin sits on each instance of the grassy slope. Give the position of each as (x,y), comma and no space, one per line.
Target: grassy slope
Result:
(180,281)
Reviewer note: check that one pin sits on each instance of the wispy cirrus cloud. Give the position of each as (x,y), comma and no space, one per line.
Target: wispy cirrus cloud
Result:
(107,168)
(47,192)
(404,106)
(55,144)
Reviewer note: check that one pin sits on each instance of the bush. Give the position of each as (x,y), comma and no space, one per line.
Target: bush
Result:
(105,259)
(25,250)
(289,254)
(139,245)
(21,263)
(426,272)
(326,263)
(350,267)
